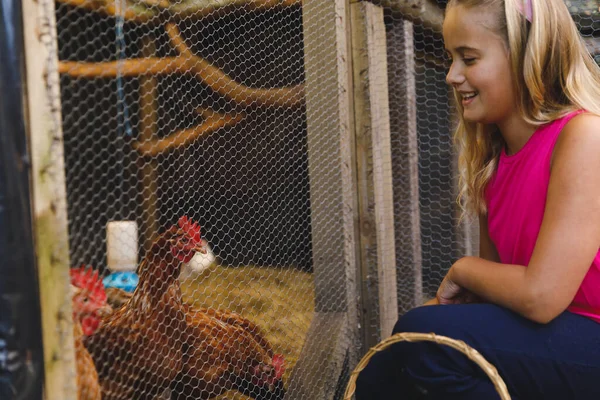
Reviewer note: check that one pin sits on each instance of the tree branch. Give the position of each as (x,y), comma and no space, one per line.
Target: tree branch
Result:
(216,79)
(212,122)
(126,68)
(221,83)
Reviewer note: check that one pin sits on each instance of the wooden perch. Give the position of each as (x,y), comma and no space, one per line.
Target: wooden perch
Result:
(126,68)
(132,12)
(227,87)
(212,122)
(193,65)
(196,9)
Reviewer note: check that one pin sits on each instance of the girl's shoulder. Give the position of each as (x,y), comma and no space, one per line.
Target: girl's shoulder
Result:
(582,128)
(579,140)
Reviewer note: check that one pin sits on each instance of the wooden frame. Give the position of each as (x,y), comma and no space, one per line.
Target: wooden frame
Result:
(405,150)
(49,198)
(329,343)
(374,172)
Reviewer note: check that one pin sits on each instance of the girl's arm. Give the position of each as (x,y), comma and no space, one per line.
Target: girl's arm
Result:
(432,302)
(568,241)
(487,250)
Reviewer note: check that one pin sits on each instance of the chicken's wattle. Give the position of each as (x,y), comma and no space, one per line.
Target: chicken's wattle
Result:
(183,254)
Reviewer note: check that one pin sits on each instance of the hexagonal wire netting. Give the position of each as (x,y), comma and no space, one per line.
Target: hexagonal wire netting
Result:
(195,108)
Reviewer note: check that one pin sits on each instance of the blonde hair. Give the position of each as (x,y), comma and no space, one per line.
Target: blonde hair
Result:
(553,74)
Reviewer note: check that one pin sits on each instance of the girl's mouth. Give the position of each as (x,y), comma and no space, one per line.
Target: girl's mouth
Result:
(467,98)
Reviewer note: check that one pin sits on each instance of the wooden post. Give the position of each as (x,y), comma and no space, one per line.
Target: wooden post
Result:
(405,155)
(332,336)
(149,166)
(374,172)
(49,197)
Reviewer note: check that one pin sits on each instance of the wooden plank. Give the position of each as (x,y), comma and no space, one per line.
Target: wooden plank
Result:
(405,156)
(49,197)
(374,171)
(148,166)
(382,168)
(332,336)
(332,176)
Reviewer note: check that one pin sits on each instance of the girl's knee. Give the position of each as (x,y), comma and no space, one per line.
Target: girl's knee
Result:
(421,319)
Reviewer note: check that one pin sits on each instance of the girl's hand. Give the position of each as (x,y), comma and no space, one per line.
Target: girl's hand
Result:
(450,292)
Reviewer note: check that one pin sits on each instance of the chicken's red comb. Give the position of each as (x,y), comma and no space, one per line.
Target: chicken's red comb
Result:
(88,278)
(279,365)
(191,228)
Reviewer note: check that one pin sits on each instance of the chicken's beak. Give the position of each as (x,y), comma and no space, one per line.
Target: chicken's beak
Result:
(104,311)
(201,247)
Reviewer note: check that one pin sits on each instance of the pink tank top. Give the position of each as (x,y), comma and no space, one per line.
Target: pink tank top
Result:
(516,198)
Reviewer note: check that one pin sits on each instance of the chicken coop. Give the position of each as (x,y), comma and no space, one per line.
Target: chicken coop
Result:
(229,199)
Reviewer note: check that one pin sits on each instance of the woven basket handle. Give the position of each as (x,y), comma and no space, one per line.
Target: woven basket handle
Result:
(459,345)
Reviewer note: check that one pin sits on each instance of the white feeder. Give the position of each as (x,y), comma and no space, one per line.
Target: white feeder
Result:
(122,245)
(199,263)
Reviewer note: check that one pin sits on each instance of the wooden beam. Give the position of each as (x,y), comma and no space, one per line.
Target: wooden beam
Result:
(333,331)
(405,156)
(374,171)
(49,198)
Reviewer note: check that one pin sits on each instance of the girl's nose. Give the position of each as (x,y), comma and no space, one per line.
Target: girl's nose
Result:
(454,76)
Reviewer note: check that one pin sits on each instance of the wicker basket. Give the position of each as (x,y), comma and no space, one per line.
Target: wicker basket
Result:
(461,346)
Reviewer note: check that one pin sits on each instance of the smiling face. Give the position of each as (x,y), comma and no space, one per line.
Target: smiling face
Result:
(480,70)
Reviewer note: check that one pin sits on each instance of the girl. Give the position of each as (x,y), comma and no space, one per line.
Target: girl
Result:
(528,95)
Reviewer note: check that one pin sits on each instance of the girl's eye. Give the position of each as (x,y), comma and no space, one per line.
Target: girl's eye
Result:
(468,61)
(448,61)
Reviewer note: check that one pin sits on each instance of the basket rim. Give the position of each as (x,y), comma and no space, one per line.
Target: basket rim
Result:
(459,345)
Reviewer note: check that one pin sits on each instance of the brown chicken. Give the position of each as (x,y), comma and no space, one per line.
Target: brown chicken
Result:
(138,348)
(88,387)
(223,351)
(116,297)
(89,305)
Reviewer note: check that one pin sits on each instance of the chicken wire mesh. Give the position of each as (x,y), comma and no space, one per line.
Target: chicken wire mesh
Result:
(190,109)
(196,109)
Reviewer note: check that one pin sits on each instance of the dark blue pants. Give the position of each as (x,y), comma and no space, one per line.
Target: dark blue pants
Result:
(559,360)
